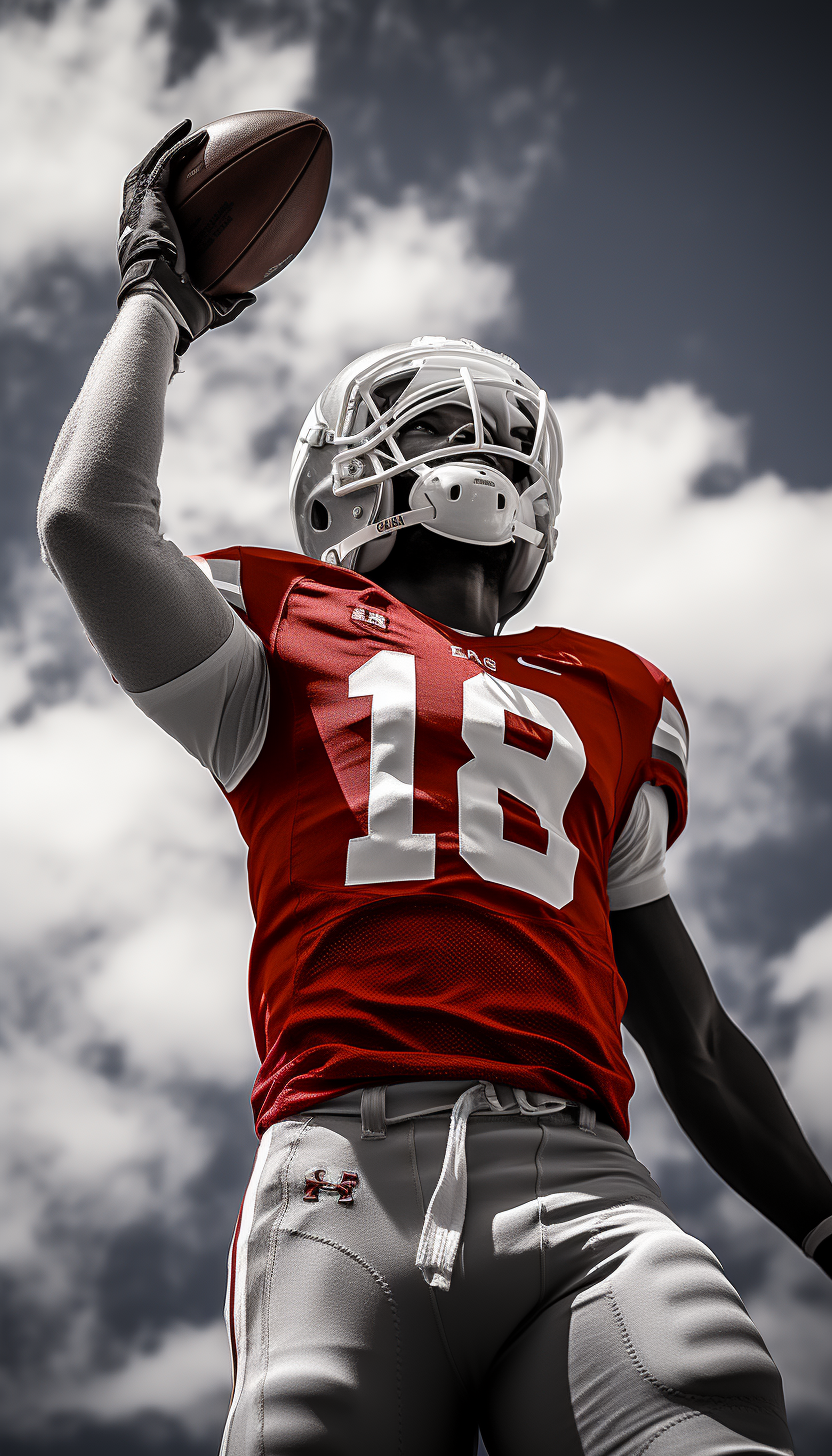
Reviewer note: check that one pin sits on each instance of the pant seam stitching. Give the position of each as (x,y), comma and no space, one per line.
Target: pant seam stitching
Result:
(668,1426)
(721,1402)
(394,1310)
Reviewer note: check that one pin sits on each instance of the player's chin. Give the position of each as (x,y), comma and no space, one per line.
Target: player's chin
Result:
(420,553)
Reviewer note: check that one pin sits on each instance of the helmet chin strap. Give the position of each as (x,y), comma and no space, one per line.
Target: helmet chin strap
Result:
(334,555)
(462,500)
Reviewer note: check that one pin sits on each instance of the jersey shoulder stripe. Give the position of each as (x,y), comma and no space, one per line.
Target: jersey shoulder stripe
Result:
(670,740)
(225,573)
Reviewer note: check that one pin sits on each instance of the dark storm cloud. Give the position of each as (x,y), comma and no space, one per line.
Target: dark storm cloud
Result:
(137,1437)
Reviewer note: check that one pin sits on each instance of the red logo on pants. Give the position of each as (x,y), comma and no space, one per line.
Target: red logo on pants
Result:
(317,1182)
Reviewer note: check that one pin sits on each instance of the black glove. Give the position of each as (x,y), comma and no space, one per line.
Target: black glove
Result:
(150,252)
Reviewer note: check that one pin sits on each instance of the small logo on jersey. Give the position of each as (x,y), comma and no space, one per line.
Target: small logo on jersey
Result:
(471,656)
(544,662)
(317,1182)
(371,618)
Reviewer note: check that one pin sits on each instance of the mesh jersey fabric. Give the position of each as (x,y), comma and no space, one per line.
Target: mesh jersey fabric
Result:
(475,942)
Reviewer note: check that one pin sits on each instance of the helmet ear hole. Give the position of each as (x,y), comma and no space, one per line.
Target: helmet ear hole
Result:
(455,492)
(318,516)
(501,502)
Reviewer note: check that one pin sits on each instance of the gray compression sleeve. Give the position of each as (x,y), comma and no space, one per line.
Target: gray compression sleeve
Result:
(150,612)
(219,711)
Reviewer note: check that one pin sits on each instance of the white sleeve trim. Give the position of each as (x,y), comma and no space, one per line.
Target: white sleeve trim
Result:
(636,869)
(219,710)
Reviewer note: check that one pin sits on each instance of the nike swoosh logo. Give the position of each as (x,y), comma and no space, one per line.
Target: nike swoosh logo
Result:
(539,668)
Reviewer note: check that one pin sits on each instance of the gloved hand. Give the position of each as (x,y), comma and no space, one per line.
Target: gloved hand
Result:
(150,253)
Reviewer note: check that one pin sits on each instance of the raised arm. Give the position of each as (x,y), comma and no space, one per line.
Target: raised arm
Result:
(150,612)
(716,1083)
(162,628)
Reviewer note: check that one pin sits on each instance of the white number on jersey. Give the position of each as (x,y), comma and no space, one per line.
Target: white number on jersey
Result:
(545,784)
(390,851)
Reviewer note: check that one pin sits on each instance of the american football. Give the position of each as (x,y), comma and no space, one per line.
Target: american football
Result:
(250,199)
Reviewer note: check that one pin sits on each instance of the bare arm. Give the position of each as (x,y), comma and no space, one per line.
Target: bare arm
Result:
(150,612)
(716,1083)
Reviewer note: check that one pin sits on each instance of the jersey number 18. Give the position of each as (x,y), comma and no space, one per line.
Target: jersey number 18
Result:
(390,850)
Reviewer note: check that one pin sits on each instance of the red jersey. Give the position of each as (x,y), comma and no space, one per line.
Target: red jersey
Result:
(429,825)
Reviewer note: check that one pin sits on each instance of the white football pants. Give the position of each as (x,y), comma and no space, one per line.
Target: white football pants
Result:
(580,1320)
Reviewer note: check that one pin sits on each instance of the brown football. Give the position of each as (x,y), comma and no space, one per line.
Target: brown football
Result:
(250,198)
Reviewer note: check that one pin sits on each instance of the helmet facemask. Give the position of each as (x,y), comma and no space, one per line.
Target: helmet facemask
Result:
(480,462)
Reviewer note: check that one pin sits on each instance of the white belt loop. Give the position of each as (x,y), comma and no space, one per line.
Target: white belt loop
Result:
(587,1118)
(537,1109)
(373,1120)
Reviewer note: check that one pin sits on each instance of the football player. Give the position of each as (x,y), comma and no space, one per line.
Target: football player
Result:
(456,857)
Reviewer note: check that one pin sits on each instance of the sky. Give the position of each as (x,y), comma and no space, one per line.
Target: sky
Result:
(630,198)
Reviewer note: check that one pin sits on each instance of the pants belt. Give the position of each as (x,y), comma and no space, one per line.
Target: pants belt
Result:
(381,1107)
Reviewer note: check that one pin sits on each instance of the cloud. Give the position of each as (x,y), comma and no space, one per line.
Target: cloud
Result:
(87,90)
(731,593)
(803,978)
(792,1306)
(518,148)
(187,1376)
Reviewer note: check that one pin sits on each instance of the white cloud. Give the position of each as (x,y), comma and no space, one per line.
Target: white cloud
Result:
(731,594)
(174,991)
(85,94)
(80,1150)
(126,927)
(188,1377)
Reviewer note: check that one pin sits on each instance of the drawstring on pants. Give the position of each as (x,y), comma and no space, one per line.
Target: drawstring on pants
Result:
(442,1228)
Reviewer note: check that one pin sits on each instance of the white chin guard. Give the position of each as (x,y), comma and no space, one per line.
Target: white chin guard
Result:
(465,502)
(474,503)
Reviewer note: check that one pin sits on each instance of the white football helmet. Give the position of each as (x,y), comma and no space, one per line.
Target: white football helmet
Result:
(492,476)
